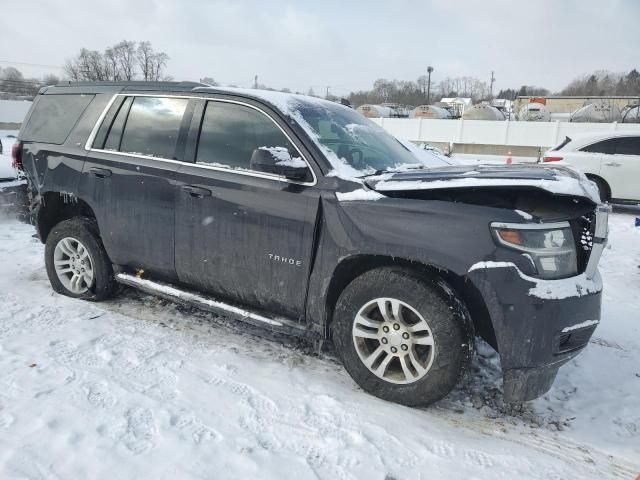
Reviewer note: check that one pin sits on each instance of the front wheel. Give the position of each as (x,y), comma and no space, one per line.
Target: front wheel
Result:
(77,264)
(402,337)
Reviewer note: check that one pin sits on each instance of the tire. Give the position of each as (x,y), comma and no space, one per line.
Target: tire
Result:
(79,232)
(430,301)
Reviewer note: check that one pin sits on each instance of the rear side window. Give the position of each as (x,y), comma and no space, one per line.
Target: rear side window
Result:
(605,146)
(231,132)
(54,117)
(628,146)
(153,126)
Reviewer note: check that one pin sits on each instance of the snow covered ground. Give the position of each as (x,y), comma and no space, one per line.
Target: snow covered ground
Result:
(139,388)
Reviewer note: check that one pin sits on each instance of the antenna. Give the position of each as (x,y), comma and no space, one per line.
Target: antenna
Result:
(493,79)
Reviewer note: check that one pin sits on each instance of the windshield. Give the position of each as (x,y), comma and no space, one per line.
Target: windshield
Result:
(356,140)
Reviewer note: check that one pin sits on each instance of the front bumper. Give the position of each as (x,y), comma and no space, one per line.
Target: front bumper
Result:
(538,324)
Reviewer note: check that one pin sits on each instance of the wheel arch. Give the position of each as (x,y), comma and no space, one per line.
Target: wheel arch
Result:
(354,266)
(600,181)
(55,207)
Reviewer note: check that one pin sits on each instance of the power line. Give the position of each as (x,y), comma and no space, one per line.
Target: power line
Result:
(9,62)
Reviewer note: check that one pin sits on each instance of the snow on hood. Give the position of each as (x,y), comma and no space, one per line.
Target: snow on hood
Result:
(558,180)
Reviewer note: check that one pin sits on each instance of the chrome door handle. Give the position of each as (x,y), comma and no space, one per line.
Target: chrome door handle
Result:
(612,164)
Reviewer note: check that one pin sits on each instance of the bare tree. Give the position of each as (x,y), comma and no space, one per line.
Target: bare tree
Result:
(119,62)
(71,71)
(112,65)
(158,63)
(125,52)
(144,56)
(209,81)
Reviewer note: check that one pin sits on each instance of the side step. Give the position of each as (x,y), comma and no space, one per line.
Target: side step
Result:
(192,299)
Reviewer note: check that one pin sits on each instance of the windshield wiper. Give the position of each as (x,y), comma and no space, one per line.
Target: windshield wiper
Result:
(408,166)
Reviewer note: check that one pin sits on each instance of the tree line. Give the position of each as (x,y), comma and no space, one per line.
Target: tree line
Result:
(124,61)
(599,83)
(408,92)
(14,83)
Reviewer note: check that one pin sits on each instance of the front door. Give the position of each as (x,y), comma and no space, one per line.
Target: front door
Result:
(622,170)
(241,234)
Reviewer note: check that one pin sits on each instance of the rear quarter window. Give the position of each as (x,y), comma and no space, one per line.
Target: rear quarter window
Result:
(604,146)
(54,117)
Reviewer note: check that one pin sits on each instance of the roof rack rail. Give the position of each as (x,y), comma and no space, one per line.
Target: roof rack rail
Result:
(135,85)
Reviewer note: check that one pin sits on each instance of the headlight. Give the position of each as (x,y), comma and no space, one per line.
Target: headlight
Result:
(550,246)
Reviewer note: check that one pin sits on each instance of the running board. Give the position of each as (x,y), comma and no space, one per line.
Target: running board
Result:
(202,302)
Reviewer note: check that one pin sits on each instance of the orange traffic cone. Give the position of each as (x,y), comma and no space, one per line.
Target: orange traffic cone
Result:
(509,159)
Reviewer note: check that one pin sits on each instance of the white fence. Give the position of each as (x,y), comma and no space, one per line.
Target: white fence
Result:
(13,111)
(529,134)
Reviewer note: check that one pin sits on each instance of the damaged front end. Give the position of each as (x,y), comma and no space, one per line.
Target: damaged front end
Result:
(540,284)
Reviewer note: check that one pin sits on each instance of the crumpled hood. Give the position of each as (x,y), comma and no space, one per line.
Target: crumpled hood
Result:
(555,179)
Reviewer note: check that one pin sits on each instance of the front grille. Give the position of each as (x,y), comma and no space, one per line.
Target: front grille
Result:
(583,231)
(573,340)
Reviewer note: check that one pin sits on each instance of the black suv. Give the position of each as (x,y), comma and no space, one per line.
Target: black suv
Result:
(301,215)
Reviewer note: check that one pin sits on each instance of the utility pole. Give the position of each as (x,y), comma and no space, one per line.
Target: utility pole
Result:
(493,79)
(255,82)
(429,70)
(327,96)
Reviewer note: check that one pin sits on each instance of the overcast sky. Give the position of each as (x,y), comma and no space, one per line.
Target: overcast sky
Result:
(340,43)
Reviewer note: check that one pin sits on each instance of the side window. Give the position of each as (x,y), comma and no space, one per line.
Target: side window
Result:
(54,117)
(628,146)
(605,146)
(115,132)
(153,125)
(231,132)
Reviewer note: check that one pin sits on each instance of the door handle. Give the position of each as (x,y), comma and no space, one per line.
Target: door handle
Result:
(612,164)
(196,192)
(100,172)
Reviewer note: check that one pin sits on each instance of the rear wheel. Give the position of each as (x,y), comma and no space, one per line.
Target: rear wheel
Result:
(401,337)
(77,264)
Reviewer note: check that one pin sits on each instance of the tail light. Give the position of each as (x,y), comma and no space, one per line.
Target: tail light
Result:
(16,156)
(551,159)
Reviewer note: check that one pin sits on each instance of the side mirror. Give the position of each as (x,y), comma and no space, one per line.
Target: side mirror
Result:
(278,161)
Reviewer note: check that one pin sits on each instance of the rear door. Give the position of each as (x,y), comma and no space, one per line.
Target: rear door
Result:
(589,159)
(129,179)
(244,235)
(622,170)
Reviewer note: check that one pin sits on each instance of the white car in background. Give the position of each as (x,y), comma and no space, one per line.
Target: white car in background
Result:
(611,160)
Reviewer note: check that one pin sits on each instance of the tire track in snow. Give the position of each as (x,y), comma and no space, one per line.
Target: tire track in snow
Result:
(584,457)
